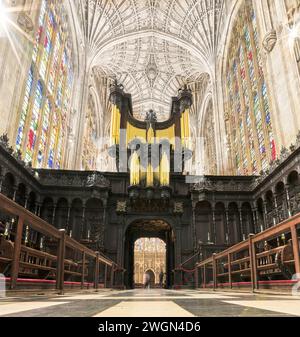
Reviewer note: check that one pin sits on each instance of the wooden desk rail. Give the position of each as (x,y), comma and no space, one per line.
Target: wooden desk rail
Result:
(26,218)
(238,256)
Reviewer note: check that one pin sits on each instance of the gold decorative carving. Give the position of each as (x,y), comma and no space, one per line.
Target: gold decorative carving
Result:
(121,207)
(178,208)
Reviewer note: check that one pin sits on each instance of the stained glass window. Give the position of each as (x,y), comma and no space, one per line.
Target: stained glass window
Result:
(32,135)
(53,140)
(44,134)
(47,96)
(28,92)
(249,121)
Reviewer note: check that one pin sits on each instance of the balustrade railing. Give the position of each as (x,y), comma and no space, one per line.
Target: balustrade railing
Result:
(268,258)
(58,259)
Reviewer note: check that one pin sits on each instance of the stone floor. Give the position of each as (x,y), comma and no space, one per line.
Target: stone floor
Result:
(151,303)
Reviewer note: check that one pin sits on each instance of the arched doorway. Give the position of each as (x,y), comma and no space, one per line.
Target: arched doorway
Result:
(151,278)
(149,254)
(148,229)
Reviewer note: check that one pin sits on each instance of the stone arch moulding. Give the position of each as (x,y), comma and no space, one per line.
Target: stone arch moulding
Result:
(132,219)
(228,33)
(76,38)
(98,108)
(202,116)
(205,110)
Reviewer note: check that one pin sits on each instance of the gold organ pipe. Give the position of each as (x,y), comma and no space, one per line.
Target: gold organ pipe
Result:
(115,125)
(150,180)
(112,123)
(150,135)
(187,128)
(135,170)
(187,123)
(182,129)
(118,126)
(164,171)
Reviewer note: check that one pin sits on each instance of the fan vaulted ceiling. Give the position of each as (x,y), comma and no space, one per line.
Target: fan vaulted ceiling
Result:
(152,47)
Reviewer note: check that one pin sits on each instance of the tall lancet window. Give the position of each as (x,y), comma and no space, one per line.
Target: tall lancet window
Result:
(47,96)
(248,116)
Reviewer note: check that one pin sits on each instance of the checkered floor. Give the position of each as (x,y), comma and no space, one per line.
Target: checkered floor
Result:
(152,303)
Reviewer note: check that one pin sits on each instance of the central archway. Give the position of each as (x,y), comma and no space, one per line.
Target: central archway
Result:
(149,259)
(151,274)
(148,229)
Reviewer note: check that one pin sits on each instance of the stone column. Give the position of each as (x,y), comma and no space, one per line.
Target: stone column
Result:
(227,239)
(37,209)
(53,214)
(214,225)
(243,234)
(288,203)
(255,219)
(68,220)
(15,188)
(82,222)
(276,209)
(265,214)
(26,200)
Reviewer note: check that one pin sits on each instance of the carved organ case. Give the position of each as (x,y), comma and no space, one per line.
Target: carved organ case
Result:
(153,149)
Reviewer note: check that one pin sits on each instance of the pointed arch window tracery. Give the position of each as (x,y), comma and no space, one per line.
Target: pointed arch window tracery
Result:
(248,115)
(47,98)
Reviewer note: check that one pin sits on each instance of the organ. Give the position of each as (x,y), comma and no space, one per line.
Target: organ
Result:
(150,145)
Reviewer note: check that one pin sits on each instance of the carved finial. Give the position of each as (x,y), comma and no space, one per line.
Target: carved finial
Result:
(185,90)
(151,116)
(4,140)
(115,86)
